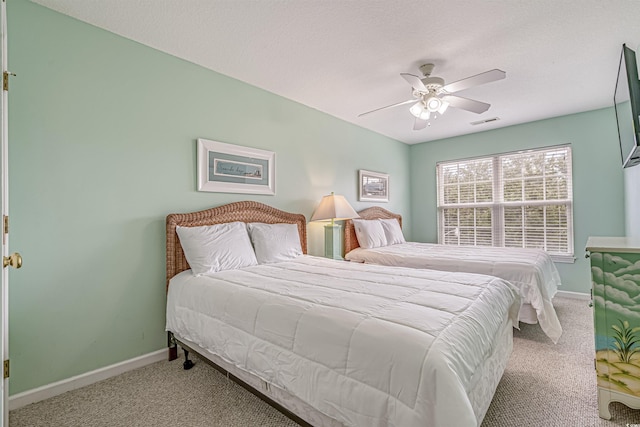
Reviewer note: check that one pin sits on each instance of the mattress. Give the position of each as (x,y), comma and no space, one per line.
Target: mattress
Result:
(366,345)
(531,271)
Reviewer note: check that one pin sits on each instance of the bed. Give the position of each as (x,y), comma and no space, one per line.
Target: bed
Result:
(531,270)
(335,343)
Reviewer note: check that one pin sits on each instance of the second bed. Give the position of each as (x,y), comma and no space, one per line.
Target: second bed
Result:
(531,271)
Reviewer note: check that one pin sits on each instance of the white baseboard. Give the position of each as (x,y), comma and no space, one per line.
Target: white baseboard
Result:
(41,393)
(574,295)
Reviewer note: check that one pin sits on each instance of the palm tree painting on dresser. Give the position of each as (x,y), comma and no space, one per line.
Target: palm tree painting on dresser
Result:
(616,295)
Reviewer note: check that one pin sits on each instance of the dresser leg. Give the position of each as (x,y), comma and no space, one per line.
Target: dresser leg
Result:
(603,404)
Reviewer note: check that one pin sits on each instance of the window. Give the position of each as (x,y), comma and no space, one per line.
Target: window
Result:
(515,200)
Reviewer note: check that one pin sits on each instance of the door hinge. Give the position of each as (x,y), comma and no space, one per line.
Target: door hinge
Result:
(5,224)
(6,368)
(5,80)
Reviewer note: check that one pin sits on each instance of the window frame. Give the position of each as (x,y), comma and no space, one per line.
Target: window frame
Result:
(497,205)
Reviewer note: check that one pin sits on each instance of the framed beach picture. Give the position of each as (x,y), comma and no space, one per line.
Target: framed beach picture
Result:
(374,186)
(228,168)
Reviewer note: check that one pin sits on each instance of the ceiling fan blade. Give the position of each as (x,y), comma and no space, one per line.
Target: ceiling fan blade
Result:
(466,104)
(419,124)
(478,79)
(409,101)
(415,82)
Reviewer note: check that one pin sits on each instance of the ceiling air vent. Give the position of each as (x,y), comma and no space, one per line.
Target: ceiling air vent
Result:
(481,122)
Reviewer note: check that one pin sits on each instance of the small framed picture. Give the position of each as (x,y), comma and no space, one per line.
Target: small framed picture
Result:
(228,168)
(374,186)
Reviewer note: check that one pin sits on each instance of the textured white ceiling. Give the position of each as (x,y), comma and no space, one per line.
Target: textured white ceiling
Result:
(344,57)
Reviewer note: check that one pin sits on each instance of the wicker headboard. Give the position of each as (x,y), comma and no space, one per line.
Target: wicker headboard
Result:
(375,212)
(248,211)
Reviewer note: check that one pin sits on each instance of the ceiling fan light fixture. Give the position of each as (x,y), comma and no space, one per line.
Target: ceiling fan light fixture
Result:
(433,104)
(416,109)
(420,111)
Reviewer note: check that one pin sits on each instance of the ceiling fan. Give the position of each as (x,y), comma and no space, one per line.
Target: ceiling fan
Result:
(431,95)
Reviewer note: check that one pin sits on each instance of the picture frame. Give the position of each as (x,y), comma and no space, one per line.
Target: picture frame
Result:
(229,168)
(373,186)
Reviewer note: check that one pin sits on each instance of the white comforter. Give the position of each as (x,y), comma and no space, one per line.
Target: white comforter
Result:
(366,345)
(531,270)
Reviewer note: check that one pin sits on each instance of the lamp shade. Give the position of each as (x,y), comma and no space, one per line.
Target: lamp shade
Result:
(333,207)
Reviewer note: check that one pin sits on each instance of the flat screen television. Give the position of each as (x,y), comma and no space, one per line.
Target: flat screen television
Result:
(627,105)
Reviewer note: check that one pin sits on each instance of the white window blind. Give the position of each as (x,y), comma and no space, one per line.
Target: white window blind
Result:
(520,200)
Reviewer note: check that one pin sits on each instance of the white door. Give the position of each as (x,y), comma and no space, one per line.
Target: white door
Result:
(13,260)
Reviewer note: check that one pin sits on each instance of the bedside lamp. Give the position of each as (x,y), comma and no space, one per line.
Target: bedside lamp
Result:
(333,207)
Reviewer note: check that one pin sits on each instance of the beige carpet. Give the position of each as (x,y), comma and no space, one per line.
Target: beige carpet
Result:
(554,385)
(544,385)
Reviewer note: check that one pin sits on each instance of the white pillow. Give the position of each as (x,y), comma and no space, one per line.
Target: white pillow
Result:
(392,231)
(217,247)
(275,242)
(370,233)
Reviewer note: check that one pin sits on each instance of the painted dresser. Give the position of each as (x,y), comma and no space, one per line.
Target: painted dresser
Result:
(615,277)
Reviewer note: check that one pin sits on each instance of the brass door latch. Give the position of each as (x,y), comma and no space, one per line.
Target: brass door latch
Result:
(14,260)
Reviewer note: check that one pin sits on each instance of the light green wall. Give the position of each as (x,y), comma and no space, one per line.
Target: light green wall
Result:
(102,147)
(632,201)
(598,189)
